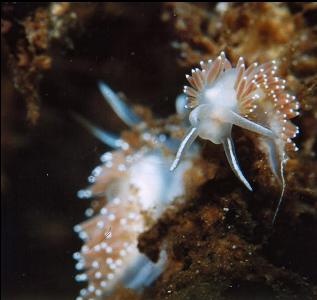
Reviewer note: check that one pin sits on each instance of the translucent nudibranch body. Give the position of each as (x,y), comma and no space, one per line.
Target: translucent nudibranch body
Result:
(253,98)
(131,190)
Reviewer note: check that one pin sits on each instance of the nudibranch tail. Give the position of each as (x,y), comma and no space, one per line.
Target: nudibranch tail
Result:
(233,161)
(118,105)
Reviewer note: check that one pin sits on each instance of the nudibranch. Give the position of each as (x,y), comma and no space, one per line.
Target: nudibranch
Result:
(253,98)
(130,191)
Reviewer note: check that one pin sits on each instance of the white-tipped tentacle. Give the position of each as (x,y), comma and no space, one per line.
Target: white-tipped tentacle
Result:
(233,161)
(118,105)
(186,142)
(240,121)
(110,139)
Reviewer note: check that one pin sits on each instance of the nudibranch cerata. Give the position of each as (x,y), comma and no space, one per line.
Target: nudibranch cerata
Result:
(253,98)
(131,190)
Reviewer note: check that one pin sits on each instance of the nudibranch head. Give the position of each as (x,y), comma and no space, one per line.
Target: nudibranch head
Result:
(253,98)
(252,92)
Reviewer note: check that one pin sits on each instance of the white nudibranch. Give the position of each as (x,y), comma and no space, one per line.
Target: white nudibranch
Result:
(130,191)
(253,98)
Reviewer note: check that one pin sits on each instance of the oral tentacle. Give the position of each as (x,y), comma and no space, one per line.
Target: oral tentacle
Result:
(237,120)
(186,142)
(233,161)
(110,139)
(118,105)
